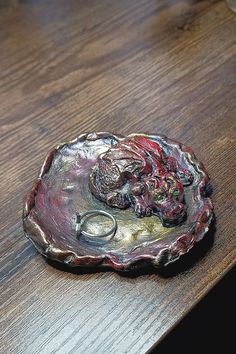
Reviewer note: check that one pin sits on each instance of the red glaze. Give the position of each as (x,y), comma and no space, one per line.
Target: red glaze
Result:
(137,172)
(62,189)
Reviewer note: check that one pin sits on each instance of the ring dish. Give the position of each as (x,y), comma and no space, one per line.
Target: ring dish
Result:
(62,189)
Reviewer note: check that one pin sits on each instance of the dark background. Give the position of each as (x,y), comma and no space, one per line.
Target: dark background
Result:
(209,327)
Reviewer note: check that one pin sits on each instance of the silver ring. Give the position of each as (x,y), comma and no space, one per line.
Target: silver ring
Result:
(81,218)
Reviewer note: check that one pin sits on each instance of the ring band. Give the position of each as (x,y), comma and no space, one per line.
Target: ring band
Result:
(81,218)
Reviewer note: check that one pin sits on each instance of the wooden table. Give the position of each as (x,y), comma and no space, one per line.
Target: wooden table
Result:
(125,66)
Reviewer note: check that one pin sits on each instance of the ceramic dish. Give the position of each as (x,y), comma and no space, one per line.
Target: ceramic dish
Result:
(62,190)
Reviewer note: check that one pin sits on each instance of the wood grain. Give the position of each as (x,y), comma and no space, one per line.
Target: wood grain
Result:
(125,66)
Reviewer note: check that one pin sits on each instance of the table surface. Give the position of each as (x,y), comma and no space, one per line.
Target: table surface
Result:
(124,66)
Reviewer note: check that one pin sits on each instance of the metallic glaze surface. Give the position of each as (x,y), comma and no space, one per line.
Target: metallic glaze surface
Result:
(136,172)
(62,189)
